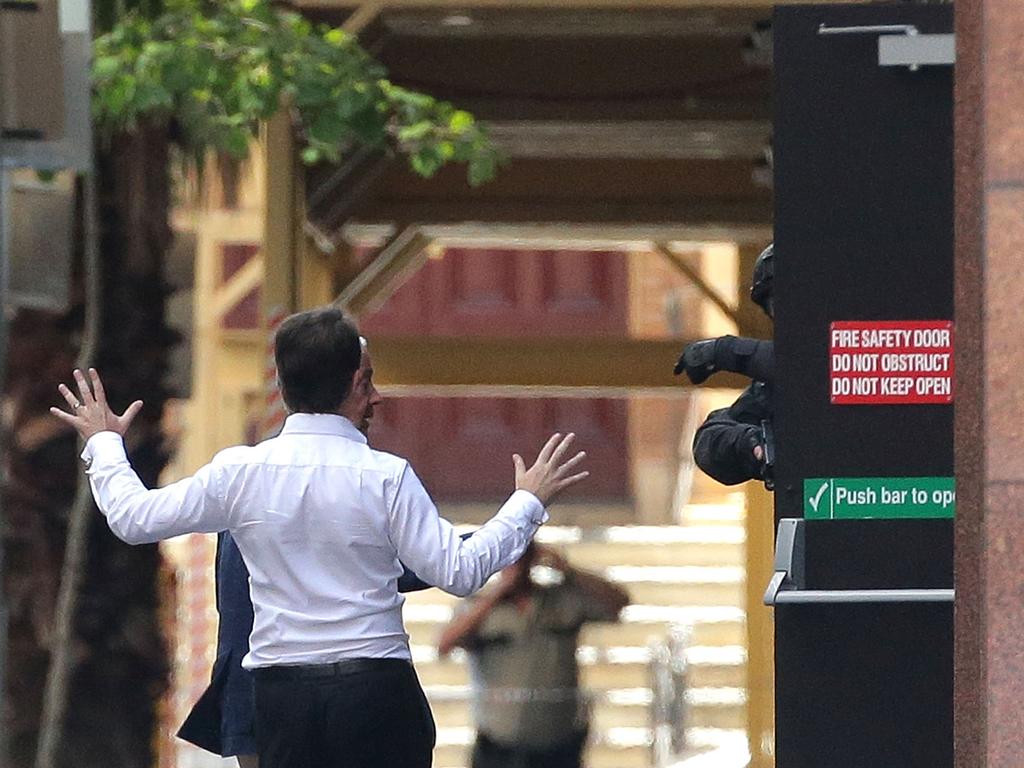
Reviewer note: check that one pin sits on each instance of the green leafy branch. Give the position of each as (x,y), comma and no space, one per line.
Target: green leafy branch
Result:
(213,71)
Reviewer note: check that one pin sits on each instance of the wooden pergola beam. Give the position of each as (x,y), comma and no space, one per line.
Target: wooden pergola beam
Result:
(362,17)
(452,211)
(396,262)
(568,234)
(538,362)
(706,289)
(631,139)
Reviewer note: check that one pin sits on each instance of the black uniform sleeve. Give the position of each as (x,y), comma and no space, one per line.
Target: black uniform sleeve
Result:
(751,357)
(724,448)
(761,362)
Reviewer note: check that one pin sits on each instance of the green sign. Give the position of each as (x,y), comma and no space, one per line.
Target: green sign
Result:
(856,498)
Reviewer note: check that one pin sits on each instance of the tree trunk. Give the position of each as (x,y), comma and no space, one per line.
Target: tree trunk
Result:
(120,655)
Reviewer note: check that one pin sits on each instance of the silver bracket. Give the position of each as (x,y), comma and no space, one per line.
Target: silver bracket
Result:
(869,29)
(787,584)
(916,51)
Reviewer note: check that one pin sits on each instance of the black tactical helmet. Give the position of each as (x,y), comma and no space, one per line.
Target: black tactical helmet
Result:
(762,288)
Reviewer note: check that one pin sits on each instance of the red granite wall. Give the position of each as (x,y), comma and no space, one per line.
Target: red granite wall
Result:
(989,670)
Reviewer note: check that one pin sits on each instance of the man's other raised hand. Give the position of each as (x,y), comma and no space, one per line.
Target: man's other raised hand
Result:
(550,475)
(89,412)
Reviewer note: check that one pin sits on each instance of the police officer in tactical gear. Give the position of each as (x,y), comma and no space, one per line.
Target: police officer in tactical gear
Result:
(735,444)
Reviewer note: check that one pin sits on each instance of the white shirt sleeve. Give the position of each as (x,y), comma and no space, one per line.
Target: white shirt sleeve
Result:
(138,515)
(430,546)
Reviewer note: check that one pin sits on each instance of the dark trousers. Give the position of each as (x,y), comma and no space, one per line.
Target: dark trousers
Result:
(361,713)
(488,753)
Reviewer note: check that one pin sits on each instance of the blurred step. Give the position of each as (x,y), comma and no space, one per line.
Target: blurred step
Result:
(451,757)
(624,748)
(607,715)
(685,615)
(707,626)
(674,574)
(454,714)
(599,547)
(704,545)
(449,712)
(616,756)
(603,676)
(652,584)
(712,630)
(685,593)
(715,708)
(724,748)
(437,615)
(716,667)
(447,672)
(706,666)
(731,511)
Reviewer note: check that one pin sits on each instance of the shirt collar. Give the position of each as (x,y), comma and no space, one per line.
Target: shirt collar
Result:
(321,424)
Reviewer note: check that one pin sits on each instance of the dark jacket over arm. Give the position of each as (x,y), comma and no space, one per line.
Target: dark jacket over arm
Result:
(723,446)
(759,363)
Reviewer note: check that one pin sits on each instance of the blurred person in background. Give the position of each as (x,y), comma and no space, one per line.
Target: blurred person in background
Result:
(522,639)
(321,521)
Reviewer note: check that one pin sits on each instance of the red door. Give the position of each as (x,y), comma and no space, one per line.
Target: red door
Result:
(461,447)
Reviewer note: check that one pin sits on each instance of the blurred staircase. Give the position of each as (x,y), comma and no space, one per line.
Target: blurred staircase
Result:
(689,574)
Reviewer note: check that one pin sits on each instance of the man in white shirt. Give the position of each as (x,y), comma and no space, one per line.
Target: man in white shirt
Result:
(321,521)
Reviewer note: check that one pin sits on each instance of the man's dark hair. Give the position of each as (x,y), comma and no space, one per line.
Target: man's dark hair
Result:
(316,352)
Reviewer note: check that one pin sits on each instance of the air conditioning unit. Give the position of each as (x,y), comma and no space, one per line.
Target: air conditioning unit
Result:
(45,89)
(31,71)
(42,216)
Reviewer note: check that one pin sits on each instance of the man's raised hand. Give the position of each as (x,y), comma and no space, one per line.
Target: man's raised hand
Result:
(549,475)
(89,410)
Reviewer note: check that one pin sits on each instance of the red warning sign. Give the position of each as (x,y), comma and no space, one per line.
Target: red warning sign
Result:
(890,362)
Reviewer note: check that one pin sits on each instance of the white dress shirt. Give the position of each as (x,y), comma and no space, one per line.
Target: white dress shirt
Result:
(321,520)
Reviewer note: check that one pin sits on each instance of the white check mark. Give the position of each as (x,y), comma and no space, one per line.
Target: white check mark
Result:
(817,497)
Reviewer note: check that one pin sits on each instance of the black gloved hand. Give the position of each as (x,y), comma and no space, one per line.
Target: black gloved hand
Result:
(748,357)
(748,457)
(697,360)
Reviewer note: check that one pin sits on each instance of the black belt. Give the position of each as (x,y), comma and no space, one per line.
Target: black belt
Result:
(335,669)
